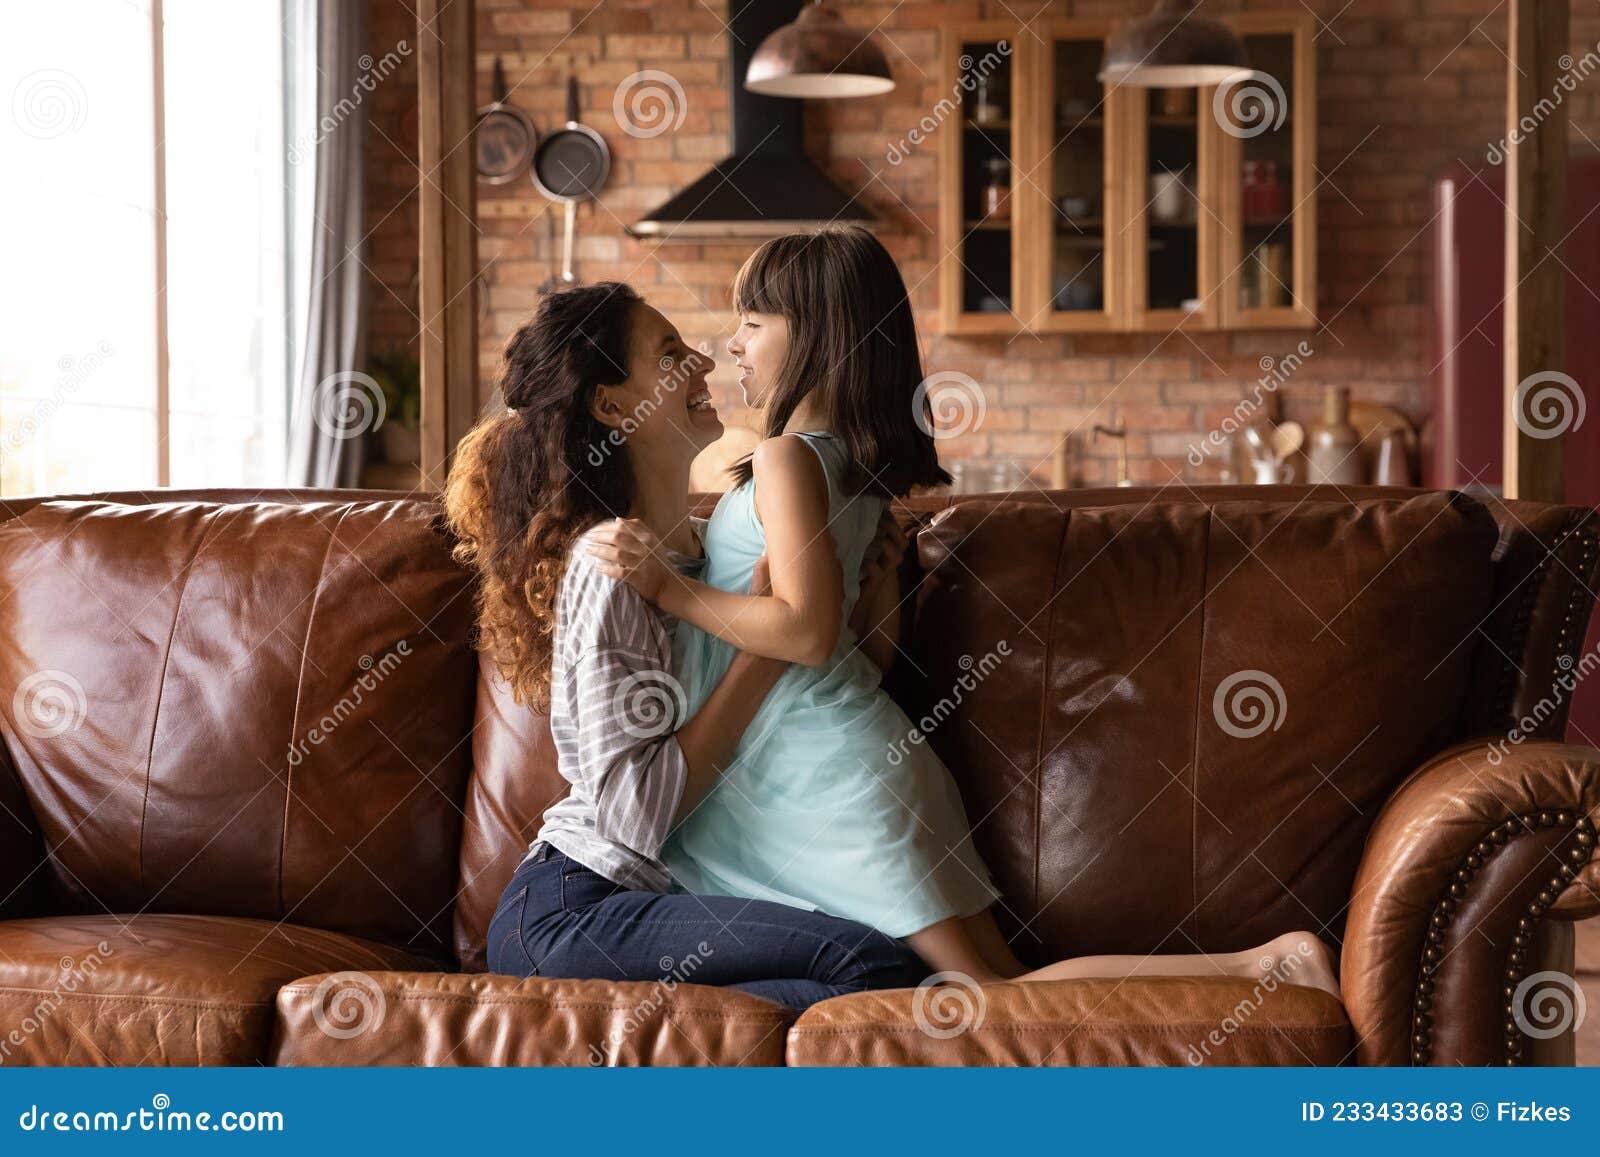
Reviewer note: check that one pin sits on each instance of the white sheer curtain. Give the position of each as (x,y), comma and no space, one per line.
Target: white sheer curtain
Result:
(335,403)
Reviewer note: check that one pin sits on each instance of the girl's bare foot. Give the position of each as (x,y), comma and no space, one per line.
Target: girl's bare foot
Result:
(1293,958)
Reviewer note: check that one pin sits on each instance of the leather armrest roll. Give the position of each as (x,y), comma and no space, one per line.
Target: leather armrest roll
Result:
(1468,859)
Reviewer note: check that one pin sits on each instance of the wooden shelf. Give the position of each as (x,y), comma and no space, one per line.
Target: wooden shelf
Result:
(512,209)
(1109,165)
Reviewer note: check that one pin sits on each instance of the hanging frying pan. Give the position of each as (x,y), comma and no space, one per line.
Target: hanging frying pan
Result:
(569,166)
(505,137)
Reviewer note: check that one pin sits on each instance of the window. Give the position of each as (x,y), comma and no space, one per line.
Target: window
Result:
(87,399)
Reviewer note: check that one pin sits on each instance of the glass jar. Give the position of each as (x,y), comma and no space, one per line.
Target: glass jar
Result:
(997,191)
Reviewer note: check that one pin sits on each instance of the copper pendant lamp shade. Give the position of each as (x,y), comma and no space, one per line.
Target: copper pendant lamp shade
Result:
(818,56)
(1174,47)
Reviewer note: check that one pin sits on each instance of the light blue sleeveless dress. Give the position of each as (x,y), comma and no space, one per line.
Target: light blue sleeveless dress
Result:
(826,806)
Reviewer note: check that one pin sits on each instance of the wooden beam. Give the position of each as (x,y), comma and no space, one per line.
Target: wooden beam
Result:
(1536,191)
(447,196)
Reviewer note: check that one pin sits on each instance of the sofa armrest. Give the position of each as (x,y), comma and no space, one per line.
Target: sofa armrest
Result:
(1468,857)
(484,1018)
(22,884)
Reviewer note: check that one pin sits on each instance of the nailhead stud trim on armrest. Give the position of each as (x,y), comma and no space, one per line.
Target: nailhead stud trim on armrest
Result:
(1433,952)
(1570,637)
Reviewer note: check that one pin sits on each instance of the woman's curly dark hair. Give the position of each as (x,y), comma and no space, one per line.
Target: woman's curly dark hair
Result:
(528,480)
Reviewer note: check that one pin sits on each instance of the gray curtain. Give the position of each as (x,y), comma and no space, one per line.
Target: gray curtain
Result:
(334,402)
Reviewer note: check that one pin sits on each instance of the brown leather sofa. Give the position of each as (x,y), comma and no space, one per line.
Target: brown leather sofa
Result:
(258,798)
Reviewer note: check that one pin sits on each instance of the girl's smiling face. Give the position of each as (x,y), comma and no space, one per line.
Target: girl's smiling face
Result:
(759,346)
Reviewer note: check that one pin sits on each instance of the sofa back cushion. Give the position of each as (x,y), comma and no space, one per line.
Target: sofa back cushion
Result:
(1173,722)
(515,777)
(255,710)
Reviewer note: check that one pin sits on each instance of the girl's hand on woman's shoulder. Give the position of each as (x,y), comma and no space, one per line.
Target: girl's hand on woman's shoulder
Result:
(629,551)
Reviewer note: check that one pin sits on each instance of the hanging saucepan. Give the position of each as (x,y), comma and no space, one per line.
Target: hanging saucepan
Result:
(570,166)
(505,137)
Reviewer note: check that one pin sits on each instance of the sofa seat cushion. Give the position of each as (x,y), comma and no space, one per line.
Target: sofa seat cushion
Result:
(158,989)
(410,1018)
(1158,1020)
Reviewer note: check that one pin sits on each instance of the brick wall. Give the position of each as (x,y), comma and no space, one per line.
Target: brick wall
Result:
(1406,87)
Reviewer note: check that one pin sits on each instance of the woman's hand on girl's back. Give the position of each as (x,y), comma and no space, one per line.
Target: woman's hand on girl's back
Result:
(884,556)
(628,550)
(761,577)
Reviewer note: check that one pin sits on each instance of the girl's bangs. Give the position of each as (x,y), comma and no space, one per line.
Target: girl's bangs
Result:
(758,287)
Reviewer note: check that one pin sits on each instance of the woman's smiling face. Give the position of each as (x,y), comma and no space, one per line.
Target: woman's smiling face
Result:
(665,400)
(759,346)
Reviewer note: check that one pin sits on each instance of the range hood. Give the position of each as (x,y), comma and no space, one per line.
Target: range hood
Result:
(767,186)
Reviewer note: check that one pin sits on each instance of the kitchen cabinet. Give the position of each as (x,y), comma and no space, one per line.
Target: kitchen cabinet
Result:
(1070,206)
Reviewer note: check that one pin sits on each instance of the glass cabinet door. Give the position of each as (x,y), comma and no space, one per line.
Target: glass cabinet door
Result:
(1266,133)
(1074,273)
(979,201)
(1172,235)
(1069,206)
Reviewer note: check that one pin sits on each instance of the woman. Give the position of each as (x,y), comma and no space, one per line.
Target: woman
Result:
(606,408)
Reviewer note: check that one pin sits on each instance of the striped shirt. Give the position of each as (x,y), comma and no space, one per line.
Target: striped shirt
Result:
(615,707)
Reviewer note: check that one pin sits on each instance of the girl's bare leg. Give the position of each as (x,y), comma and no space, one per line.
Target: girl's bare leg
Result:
(1293,958)
(957,945)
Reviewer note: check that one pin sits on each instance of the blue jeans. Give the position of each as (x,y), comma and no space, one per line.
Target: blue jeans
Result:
(559,918)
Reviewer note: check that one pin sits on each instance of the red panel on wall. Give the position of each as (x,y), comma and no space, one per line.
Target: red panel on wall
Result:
(1463,449)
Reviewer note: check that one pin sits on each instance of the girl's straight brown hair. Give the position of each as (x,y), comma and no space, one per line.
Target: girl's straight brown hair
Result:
(852,344)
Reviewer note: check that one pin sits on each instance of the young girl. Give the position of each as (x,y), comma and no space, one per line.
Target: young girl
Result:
(812,811)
